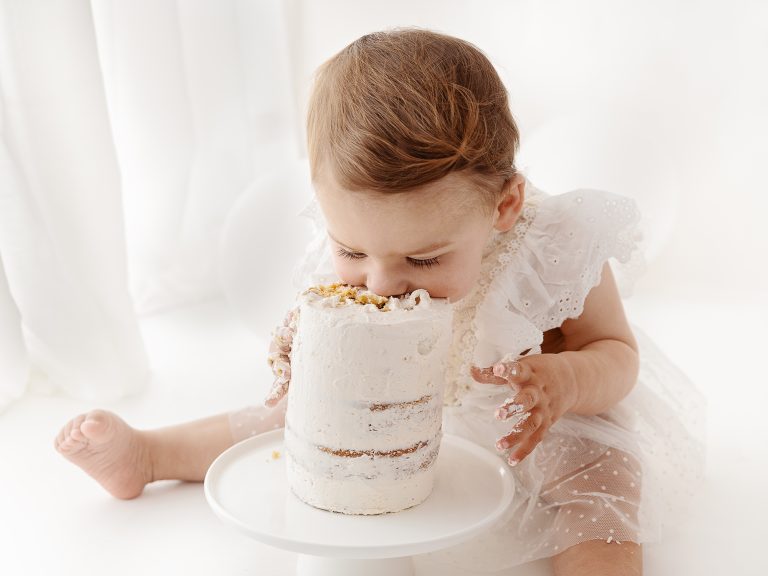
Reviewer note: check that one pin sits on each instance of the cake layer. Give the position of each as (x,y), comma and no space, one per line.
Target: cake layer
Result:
(395,463)
(366,426)
(360,482)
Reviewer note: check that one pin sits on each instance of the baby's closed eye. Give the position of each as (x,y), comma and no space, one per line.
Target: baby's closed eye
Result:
(424,263)
(350,255)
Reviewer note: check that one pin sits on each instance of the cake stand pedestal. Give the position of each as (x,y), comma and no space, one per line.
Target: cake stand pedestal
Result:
(246,487)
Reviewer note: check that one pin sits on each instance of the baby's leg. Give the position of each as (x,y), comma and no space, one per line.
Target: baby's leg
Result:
(596,558)
(597,503)
(124,460)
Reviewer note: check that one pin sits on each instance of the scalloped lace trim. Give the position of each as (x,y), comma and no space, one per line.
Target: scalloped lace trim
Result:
(571,298)
(498,253)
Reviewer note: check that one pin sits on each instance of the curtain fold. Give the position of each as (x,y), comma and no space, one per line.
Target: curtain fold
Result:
(61,220)
(201,108)
(145,149)
(14,362)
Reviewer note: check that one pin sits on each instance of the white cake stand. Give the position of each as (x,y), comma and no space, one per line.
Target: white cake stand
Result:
(246,487)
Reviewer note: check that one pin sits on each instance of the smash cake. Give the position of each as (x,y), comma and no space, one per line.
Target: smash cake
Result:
(363,421)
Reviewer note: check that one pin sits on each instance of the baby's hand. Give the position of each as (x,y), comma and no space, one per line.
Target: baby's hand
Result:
(280,358)
(543,389)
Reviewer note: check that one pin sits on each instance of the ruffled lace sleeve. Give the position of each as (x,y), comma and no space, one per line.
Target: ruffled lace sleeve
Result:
(316,265)
(563,253)
(544,277)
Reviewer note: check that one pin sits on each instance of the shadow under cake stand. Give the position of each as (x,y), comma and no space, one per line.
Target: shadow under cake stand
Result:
(246,487)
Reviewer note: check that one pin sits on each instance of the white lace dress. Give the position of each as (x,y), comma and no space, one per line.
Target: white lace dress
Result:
(617,476)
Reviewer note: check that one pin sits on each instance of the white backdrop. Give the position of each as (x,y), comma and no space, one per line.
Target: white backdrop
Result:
(152,151)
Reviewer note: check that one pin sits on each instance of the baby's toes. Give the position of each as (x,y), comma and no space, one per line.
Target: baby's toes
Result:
(76,433)
(74,426)
(71,438)
(59,438)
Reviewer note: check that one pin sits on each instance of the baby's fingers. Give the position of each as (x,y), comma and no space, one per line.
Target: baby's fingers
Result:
(277,392)
(517,372)
(281,368)
(503,373)
(523,401)
(526,446)
(282,340)
(517,441)
(486,376)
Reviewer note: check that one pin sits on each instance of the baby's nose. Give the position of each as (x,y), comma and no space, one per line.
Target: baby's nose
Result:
(386,285)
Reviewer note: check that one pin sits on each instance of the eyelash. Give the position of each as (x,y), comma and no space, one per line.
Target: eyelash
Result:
(426,263)
(350,255)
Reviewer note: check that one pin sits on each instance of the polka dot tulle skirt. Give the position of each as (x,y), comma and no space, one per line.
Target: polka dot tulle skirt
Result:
(620,476)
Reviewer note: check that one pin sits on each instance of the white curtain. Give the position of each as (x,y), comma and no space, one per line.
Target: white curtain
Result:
(148,155)
(14,362)
(61,227)
(200,105)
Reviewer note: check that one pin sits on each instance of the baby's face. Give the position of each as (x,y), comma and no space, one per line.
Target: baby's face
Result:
(395,243)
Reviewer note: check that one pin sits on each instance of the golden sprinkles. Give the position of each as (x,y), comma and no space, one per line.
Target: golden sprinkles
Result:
(347,293)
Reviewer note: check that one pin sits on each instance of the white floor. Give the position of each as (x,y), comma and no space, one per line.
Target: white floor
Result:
(54,520)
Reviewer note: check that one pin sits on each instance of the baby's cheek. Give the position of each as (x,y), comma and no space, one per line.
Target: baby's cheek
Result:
(462,281)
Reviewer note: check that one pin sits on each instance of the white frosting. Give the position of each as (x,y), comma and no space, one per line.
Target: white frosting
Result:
(369,382)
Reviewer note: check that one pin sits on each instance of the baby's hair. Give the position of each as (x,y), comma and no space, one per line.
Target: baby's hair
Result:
(400,109)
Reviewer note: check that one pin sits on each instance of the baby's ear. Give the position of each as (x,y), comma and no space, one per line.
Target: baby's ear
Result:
(510,204)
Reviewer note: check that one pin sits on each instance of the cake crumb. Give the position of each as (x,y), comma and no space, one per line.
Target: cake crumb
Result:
(352,294)
(275,454)
(339,294)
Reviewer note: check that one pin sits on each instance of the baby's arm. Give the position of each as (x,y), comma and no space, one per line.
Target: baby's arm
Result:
(600,350)
(587,365)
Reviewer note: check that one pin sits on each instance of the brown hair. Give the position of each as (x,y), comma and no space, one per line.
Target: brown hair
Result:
(400,109)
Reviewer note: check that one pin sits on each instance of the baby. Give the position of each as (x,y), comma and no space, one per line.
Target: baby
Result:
(412,153)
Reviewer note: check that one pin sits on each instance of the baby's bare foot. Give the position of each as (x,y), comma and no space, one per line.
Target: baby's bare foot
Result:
(112,452)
